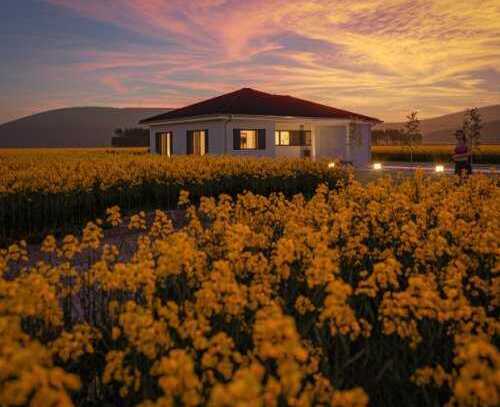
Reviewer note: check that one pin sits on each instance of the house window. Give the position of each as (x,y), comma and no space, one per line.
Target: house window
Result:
(282,137)
(249,139)
(163,143)
(197,142)
(292,137)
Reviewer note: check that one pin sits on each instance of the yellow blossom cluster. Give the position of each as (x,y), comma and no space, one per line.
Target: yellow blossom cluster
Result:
(379,294)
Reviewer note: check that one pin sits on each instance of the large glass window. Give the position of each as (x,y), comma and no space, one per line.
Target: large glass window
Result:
(292,137)
(164,143)
(197,142)
(283,138)
(248,139)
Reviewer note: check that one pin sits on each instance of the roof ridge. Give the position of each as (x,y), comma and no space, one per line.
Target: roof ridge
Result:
(236,95)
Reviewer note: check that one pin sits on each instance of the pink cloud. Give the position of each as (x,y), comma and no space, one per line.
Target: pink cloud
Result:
(393,51)
(114,83)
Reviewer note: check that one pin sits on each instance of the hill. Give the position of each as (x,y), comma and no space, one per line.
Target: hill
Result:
(72,127)
(93,126)
(440,130)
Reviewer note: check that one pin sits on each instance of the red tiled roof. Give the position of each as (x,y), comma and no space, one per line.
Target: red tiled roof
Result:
(252,102)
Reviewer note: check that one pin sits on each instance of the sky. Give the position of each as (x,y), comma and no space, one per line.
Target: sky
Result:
(382,58)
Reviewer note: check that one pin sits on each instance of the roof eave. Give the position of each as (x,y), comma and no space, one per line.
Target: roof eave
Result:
(227,116)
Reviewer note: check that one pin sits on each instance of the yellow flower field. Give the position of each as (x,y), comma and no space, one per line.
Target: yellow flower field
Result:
(49,189)
(386,294)
(485,154)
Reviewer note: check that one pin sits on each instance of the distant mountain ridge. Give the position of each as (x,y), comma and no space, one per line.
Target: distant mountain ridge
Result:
(441,129)
(72,127)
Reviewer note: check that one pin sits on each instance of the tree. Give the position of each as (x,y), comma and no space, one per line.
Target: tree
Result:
(130,137)
(472,128)
(411,133)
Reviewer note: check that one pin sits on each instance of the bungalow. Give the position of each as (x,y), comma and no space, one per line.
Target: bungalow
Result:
(248,122)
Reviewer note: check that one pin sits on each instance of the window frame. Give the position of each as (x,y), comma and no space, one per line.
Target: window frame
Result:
(280,139)
(256,134)
(190,135)
(164,139)
(259,133)
(304,132)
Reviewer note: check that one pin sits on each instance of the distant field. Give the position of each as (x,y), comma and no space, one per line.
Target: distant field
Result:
(80,151)
(487,154)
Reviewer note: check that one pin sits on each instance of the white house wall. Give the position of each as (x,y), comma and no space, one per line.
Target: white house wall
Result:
(215,139)
(218,130)
(330,141)
(270,150)
(361,152)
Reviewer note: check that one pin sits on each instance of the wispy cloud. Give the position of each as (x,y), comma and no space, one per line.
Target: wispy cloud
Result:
(382,57)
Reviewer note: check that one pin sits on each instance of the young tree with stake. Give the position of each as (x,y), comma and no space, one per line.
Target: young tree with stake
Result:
(472,129)
(411,133)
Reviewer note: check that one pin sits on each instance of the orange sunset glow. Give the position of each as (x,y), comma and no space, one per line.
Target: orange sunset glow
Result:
(380,57)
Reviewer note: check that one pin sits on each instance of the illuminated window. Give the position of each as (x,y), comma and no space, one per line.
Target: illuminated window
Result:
(284,138)
(293,137)
(249,139)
